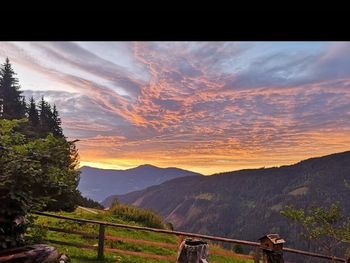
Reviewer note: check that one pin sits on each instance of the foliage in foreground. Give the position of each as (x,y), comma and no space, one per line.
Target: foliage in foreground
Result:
(327,227)
(34,174)
(38,165)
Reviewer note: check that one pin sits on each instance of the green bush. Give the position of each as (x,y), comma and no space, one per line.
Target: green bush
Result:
(34,174)
(36,234)
(238,249)
(137,215)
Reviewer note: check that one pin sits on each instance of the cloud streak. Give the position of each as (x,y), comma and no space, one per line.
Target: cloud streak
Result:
(207,107)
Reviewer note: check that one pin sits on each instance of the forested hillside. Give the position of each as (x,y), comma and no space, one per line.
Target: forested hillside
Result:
(246,204)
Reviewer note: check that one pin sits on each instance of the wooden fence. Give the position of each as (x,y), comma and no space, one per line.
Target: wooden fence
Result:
(102,237)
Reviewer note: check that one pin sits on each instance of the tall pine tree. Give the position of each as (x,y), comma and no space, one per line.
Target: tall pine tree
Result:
(44,116)
(56,123)
(12,103)
(33,114)
(49,120)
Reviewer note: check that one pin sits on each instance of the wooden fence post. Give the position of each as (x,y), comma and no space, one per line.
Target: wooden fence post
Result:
(257,255)
(101,241)
(272,248)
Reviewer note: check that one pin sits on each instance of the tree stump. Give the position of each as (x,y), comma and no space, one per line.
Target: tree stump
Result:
(33,254)
(193,251)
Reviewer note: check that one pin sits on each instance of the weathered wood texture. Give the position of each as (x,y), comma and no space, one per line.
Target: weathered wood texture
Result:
(30,254)
(101,241)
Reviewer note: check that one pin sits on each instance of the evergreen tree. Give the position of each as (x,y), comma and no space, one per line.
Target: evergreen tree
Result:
(45,117)
(56,123)
(12,103)
(50,122)
(23,109)
(33,114)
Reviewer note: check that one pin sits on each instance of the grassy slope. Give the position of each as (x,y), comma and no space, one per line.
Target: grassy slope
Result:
(85,255)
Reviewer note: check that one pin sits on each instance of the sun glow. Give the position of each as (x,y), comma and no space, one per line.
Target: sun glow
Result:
(207,107)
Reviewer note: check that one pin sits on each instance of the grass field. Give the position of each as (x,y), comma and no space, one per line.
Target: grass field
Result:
(137,246)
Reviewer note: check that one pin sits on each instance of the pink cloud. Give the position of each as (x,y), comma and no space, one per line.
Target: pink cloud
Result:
(192,110)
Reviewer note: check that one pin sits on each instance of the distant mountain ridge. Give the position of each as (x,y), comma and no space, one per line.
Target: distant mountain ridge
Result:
(246,204)
(98,184)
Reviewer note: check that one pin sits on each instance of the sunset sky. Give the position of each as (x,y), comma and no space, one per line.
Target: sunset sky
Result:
(204,106)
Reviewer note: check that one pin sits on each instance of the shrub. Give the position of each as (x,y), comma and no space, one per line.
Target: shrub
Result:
(238,249)
(131,213)
(34,174)
(36,234)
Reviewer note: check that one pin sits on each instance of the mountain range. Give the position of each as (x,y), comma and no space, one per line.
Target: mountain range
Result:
(97,183)
(246,204)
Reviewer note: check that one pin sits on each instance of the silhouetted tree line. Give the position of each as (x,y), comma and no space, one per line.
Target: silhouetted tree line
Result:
(38,165)
(43,118)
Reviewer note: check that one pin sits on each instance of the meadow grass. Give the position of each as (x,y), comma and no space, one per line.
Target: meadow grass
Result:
(80,255)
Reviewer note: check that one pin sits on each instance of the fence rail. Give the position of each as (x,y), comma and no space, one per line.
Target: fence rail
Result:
(101,237)
(214,250)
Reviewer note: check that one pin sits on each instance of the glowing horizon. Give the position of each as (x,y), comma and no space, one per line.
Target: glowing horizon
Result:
(207,107)
(203,171)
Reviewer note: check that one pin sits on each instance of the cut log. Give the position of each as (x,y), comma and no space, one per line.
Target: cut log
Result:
(32,254)
(193,251)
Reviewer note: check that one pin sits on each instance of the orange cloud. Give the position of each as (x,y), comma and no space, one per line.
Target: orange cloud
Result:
(197,109)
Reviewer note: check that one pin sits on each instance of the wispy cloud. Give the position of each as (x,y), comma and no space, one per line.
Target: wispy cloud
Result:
(208,106)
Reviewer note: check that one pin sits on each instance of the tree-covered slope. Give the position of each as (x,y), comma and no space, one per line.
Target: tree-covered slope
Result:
(246,204)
